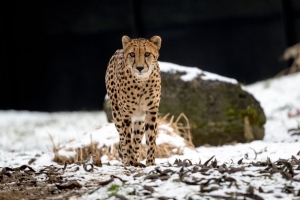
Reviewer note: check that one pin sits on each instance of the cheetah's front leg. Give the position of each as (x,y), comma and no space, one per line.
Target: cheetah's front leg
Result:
(151,132)
(127,150)
(138,130)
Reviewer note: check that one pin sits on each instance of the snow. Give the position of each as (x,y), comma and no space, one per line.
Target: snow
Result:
(27,131)
(107,135)
(279,97)
(171,138)
(25,135)
(193,72)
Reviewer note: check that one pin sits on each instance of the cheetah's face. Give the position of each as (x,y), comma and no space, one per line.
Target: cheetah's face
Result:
(141,55)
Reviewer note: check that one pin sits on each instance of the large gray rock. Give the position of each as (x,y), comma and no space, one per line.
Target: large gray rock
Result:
(219,112)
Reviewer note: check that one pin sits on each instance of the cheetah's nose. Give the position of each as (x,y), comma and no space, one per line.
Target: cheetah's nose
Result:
(140,68)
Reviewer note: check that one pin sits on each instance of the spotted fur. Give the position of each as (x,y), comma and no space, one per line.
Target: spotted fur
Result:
(133,85)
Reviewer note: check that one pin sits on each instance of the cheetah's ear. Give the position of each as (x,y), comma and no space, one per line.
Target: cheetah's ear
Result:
(156,40)
(125,40)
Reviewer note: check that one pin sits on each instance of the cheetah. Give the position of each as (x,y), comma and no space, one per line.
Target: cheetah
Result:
(133,85)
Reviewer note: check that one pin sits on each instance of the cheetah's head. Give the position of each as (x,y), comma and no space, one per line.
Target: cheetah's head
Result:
(141,55)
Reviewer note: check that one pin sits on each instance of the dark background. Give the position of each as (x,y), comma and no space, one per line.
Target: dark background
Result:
(54,53)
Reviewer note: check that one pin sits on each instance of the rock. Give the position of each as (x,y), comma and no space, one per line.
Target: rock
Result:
(219,111)
(107,109)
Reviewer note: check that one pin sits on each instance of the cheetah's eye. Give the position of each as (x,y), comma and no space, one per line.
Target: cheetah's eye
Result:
(132,54)
(147,54)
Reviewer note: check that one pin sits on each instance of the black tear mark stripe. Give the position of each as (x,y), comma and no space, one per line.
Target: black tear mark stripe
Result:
(133,63)
(146,63)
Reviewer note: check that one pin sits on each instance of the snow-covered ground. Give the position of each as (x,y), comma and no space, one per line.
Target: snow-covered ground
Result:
(24,135)
(280,99)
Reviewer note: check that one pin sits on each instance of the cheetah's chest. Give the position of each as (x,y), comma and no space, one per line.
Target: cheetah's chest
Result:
(135,96)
